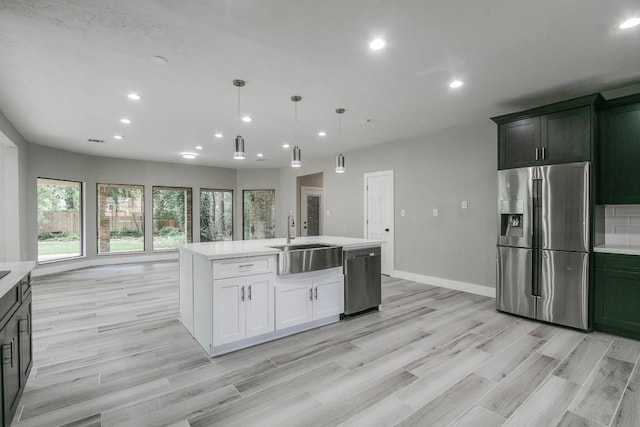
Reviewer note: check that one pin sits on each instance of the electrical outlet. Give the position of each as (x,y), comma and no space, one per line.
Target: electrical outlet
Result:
(435,212)
(464,204)
(328,212)
(402,212)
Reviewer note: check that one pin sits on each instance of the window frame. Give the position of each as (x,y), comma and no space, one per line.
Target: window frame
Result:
(81,219)
(233,222)
(188,232)
(243,203)
(144,228)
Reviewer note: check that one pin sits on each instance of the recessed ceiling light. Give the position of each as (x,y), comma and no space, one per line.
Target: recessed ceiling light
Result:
(260,155)
(118,137)
(158,59)
(218,135)
(189,156)
(377,44)
(285,146)
(246,119)
(322,133)
(134,96)
(125,121)
(456,84)
(630,23)
(198,147)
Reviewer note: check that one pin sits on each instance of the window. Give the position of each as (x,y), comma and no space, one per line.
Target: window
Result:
(259,214)
(216,215)
(120,218)
(171,217)
(59,219)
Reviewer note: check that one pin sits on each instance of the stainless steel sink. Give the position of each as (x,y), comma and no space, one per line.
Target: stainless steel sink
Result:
(307,257)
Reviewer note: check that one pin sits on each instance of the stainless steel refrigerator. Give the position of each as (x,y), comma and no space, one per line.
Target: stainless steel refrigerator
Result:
(543,243)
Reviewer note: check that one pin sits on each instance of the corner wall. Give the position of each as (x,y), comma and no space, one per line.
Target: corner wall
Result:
(456,248)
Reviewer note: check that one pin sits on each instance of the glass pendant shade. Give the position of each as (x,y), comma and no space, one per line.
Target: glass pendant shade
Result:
(239,154)
(339,163)
(296,159)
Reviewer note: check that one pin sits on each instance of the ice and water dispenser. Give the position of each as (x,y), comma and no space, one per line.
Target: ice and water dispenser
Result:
(511,217)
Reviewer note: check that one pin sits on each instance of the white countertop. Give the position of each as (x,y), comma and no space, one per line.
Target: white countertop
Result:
(18,271)
(618,249)
(242,248)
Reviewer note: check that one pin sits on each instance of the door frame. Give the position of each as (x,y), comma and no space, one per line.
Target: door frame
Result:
(318,191)
(389,245)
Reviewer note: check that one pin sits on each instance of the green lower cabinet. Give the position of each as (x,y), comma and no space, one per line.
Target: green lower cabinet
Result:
(617,295)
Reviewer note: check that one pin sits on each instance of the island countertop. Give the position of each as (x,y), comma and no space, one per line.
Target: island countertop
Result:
(18,271)
(243,248)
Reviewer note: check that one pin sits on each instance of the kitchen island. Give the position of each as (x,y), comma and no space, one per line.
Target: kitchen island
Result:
(232,297)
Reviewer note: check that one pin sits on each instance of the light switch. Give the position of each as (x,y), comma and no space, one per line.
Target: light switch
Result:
(402,212)
(328,212)
(435,212)
(464,204)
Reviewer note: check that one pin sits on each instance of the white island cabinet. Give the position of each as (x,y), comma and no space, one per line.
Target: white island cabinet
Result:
(231,296)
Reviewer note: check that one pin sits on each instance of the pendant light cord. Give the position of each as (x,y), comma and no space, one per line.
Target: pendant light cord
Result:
(238,132)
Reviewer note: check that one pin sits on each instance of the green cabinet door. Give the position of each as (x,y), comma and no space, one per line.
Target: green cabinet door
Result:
(519,143)
(620,155)
(566,136)
(617,295)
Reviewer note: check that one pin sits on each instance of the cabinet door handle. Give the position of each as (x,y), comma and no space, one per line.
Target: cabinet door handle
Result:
(242,294)
(310,294)
(316,292)
(245,265)
(537,154)
(249,291)
(11,358)
(6,360)
(544,153)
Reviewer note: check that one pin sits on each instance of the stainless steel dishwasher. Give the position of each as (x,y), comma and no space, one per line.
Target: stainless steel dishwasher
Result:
(362,282)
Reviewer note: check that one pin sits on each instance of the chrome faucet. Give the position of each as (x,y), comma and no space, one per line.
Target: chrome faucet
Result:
(290,226)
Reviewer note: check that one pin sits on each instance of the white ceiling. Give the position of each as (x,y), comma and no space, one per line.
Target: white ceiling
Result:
(67,66)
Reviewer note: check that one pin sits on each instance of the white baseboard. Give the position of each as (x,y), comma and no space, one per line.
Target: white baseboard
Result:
(51,268)
(471,288)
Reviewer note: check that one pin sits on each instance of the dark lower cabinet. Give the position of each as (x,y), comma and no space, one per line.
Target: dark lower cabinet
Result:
(617,294)
(16,353)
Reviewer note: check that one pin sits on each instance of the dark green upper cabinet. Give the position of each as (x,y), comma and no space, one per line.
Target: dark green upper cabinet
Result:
(557,133)
(620,154)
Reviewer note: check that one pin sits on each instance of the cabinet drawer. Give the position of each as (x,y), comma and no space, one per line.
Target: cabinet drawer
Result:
(243,267)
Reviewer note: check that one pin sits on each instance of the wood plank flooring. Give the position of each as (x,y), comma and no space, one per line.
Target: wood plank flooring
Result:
(109,351)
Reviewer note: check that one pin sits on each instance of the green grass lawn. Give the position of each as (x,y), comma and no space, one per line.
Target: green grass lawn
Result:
(132,244)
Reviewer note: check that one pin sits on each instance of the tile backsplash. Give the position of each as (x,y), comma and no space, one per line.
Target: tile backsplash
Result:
(622,225)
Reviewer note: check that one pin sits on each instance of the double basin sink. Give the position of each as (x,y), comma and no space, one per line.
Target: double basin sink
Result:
(307,257)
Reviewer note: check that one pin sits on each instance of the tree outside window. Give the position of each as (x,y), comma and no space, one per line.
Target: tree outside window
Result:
(171,217)
(259,214)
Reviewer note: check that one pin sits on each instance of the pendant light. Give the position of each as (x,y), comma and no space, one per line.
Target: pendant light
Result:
(238,152)
(340,157)
(296,155)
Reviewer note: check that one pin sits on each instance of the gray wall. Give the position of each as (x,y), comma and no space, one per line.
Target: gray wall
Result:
(434,171)
(48,162)
(22,146)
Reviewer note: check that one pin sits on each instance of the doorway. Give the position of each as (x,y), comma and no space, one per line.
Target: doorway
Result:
(311,211)
(379,214)
(309,201)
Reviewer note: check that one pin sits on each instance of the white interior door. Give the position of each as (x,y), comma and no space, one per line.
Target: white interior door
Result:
(311,211)
(378,215)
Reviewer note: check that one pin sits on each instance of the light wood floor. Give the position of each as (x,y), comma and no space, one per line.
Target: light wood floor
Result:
(109,350)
